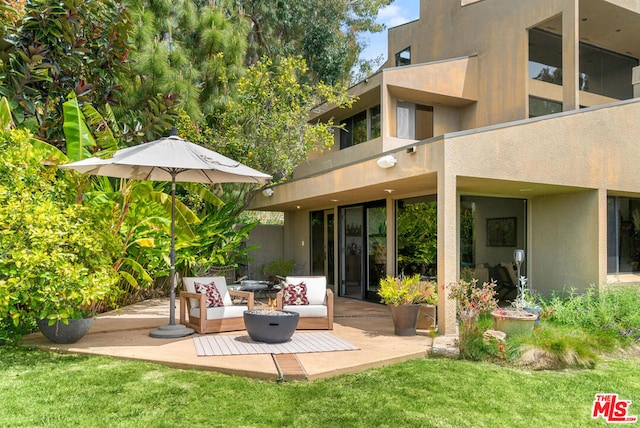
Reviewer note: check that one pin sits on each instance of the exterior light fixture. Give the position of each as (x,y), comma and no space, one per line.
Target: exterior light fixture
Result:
(387,161)
(518,257)
(268,192)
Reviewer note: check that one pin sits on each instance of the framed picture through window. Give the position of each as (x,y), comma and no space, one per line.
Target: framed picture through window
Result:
(502,232)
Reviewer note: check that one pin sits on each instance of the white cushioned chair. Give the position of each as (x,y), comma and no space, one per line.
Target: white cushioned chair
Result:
(194,312)
(318,314)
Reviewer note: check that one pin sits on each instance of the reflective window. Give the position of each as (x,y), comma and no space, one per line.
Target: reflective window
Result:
(403,57)
(623,235)
(361,127)
(417,236)
(541,107)
(606,73)
(375,121)
(354,130)
(545,56)
(602,72)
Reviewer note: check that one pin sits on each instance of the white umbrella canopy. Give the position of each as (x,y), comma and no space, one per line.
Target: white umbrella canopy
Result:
(159,160)
(170,159)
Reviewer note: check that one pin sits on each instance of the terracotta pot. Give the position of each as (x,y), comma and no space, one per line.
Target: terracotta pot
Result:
(405,319)
(511,321)
(65,333)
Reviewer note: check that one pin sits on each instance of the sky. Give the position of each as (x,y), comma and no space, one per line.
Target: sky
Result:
(397,13)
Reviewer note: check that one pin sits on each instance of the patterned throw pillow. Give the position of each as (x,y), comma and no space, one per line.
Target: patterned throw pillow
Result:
(211,291)
(295,294)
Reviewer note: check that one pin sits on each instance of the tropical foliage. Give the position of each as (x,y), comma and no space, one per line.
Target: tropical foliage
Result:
(84,78)
(56,257)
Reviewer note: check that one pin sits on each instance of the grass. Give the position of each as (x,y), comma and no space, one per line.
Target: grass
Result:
(40,389)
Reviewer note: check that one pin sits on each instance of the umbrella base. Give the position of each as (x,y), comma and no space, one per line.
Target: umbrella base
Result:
(171,331)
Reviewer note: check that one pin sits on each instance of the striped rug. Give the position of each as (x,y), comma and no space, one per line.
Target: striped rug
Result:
(211,345)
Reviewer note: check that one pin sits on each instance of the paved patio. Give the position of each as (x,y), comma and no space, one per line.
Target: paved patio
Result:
(125,334)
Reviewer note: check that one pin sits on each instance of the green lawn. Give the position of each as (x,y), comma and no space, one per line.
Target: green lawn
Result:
(40,389)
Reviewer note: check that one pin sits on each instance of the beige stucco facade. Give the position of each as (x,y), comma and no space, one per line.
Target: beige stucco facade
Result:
(469,63)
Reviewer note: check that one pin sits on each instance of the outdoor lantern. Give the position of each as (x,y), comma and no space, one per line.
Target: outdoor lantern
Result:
(518,257)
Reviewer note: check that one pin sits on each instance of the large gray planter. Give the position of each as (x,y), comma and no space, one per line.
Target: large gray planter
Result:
(405,319)
(65,333)
(271,326)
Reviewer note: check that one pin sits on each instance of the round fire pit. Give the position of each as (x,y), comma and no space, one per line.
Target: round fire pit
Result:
(270,325)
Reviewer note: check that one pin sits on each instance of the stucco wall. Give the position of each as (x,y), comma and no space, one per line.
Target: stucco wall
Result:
(564,241)
(296,244)
(270,238)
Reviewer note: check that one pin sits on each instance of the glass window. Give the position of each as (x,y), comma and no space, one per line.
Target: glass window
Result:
(490,230)
(403,57)
(602,72)
(414,121)
(405,117)
(374,113)
(358,129)
(623,235)
(417,236)
(541,107)
(346,133)
(545,56)
(606,73)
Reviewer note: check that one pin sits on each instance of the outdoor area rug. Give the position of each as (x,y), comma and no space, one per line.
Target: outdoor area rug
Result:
(212,345)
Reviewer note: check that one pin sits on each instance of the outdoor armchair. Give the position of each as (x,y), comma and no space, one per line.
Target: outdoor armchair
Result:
(206,311)
(313,301)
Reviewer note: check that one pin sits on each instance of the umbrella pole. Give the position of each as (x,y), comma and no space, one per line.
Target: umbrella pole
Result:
(172,330)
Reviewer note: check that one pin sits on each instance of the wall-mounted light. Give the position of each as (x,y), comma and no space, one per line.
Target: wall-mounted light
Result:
(268,192)
(387,161)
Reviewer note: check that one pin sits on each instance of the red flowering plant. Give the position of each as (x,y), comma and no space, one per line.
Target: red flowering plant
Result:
(471,301)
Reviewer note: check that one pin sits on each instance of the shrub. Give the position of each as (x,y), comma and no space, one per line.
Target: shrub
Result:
(614,311)
(56,257)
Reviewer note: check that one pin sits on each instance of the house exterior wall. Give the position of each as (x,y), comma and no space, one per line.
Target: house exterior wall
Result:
(471,66)
(270,239)
(565,242)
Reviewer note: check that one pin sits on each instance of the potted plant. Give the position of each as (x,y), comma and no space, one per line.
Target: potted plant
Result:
(403,295)
(525,300)
(521,317)
(66,307)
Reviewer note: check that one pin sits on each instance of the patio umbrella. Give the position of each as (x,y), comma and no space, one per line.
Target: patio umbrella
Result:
(170,159)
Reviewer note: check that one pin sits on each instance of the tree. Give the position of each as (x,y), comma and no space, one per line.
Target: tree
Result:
(266,125)
(325,33)
(58,47)
(191,51)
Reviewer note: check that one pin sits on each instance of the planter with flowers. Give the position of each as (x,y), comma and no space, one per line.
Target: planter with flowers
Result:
(404,296)
(526,301)
(521,317)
